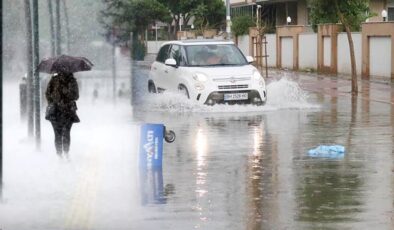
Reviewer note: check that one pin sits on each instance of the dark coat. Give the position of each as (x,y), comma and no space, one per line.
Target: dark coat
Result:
(62,93)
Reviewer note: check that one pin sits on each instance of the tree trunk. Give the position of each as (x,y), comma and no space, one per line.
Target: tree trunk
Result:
(176,24)
(352,60)
(351,47)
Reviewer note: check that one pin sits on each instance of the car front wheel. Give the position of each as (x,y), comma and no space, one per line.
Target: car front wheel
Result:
(151,87)
(183,90)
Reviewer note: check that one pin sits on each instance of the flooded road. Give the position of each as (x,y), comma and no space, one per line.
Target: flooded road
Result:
(250,169)
(230,167)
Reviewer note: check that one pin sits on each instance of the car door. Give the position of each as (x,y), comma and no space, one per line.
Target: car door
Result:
(172,74)
(158,68)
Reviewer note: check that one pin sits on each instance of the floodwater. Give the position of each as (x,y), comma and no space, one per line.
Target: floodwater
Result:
(230,167)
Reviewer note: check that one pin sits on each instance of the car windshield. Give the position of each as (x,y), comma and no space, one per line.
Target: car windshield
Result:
(214,55)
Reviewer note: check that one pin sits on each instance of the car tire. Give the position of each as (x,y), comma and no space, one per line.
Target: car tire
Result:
(151,87)
(183,90)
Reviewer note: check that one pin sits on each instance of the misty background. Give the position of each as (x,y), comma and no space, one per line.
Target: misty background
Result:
(86,34)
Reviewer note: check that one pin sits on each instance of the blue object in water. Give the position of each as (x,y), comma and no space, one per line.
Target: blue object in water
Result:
(151,146)
(328,151)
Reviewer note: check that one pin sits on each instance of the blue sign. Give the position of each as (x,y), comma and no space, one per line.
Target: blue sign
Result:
(151,158)
(151,146)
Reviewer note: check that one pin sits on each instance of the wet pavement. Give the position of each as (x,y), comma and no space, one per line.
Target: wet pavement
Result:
(242,167)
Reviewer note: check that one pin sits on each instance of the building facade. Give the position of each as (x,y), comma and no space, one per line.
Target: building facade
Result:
(276,12)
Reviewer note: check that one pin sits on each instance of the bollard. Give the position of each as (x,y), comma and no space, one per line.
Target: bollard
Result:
(23,98)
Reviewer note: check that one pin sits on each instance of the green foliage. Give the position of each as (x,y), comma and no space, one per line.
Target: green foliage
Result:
(354,12)
(177,7)
(322,12)
(209,14)
(240,25)
(121,17)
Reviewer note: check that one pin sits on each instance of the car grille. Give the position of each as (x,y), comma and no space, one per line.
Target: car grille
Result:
(233,86)
(229,79)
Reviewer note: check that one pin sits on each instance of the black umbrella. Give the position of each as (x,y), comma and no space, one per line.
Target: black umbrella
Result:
(64,64)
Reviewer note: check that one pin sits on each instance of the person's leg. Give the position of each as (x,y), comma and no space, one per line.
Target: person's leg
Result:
(66,137)
(57,128)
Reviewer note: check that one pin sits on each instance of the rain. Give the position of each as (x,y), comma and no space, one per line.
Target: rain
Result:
(230,167)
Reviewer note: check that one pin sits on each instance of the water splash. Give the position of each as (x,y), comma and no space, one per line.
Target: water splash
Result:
(287,94)
(282,94)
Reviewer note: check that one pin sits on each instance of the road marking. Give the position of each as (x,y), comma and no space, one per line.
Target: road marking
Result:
(81,212)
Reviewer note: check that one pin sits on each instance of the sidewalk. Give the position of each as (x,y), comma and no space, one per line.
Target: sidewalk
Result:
(372,90)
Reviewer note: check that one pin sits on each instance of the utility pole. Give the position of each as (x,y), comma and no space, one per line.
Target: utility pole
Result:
(1,100)
(67,25)
(113,64)
(29,57)
(132,70)
(36,51)
(52,28)
(58,28)
(228,20)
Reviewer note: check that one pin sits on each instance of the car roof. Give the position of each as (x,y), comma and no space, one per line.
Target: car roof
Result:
(199,42)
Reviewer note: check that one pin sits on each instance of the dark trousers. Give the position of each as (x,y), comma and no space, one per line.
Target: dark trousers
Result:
(62,136)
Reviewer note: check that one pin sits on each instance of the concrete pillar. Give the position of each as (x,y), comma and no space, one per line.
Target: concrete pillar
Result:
(328,30)
(288,31)
(375,29)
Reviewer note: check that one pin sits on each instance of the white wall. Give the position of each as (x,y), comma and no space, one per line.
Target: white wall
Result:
(307,45)
(344,65)
(154,47)
(380,56)
(243,44)
(327,51)
(271,49)
(287,52)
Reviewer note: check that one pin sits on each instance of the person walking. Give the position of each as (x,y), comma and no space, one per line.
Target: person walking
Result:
(62,93)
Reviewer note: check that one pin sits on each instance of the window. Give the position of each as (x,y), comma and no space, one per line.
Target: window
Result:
(390,14)
(163,54)
(176,54)
(215,54)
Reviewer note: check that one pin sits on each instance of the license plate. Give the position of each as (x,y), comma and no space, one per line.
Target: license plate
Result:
(235,96)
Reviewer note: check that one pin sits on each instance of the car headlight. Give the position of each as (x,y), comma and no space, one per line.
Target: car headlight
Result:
(199,86)
(200,77)
(257,76)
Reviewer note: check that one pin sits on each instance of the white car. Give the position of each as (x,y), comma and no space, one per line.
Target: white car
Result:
(208,72)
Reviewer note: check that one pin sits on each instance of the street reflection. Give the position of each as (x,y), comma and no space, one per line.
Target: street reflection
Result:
(252,171)
(152,189)
(366,101)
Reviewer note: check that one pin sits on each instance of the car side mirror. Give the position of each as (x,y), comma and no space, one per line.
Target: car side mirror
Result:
(249,59)
(170,62)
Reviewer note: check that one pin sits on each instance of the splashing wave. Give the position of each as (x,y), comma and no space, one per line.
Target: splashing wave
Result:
(282,94)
